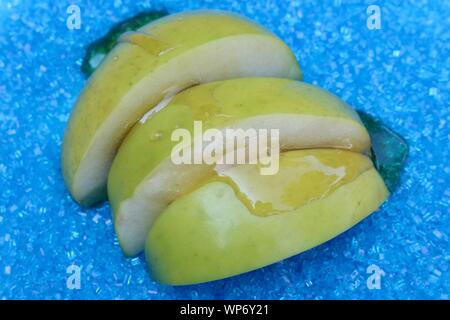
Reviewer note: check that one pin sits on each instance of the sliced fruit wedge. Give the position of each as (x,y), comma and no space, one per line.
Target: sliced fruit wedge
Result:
(153,63)
(239,220)
(143,179)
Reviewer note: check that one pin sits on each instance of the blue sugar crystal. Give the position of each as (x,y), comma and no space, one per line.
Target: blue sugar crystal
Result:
(399,74)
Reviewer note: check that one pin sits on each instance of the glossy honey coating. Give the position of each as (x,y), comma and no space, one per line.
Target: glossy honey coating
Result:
(305,176)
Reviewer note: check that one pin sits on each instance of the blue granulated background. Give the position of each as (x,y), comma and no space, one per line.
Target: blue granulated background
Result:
(399,73)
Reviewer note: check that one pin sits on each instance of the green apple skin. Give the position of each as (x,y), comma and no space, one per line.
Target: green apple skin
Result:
(156,61)
(143,180)
(210,234)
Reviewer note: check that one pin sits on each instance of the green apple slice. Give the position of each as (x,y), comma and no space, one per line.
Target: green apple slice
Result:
(143,179)
(223,228)
(156,61)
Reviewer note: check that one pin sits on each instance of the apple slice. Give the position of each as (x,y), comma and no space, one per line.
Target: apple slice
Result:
(156,61)
(143,179)
(223,228)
